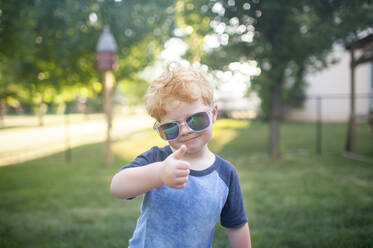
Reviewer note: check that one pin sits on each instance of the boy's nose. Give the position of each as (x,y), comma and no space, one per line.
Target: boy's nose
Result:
(184,129)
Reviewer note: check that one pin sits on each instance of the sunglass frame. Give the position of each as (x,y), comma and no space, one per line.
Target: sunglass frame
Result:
(157,125)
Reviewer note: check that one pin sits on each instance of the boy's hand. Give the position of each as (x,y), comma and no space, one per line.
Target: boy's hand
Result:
(174,171)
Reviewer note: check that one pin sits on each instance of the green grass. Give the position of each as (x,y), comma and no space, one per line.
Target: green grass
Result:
(303,200)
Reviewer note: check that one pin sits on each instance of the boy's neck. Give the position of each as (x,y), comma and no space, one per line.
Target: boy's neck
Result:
(201,160)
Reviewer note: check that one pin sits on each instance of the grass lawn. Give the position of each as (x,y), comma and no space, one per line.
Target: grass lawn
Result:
(303,200)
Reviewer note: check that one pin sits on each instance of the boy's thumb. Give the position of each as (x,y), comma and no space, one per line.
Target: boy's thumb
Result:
(180,152)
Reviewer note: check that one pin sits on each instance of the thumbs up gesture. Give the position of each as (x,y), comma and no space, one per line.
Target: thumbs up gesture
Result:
(174,171)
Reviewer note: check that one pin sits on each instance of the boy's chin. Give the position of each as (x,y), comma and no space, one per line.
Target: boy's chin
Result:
(175,147)
(193,149)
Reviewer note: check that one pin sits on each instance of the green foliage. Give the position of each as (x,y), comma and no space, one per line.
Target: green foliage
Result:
(295,38)
(133,90)
(290,38)
(49,47)
(191,19)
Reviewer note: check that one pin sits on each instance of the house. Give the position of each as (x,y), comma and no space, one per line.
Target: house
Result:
(329,90)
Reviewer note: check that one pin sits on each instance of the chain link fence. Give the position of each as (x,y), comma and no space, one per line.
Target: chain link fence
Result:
(329,111)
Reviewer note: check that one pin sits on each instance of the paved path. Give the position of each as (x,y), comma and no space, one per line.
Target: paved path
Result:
(25,143)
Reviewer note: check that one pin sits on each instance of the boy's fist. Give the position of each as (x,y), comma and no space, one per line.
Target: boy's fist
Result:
(174,171)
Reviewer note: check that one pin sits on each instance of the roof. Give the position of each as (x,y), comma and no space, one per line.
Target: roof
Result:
(106,41)
(361,42)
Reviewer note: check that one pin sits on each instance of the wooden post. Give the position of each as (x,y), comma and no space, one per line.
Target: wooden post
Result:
(319,126)
(67,138)
(41,113)
(106,62)
(108,82)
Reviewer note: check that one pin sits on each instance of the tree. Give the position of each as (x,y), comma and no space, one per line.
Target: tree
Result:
(13,18)
(49,47)
(288,39)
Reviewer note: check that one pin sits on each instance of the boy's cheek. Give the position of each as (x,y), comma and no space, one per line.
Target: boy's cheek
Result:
(174,146)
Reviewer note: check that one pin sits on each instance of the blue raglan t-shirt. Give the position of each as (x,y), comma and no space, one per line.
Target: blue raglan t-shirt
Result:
(187,217)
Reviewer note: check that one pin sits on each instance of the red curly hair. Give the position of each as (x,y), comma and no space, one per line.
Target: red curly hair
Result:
(177,83)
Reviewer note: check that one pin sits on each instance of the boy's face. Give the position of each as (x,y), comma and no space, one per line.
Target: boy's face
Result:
(180,111)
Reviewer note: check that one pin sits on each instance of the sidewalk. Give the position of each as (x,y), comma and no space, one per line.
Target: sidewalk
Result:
(26,143)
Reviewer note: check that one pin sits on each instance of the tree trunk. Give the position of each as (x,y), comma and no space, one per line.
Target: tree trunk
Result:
(350,142)
(275,117)
(2,112)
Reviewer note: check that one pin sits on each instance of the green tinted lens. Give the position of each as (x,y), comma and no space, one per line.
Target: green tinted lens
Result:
(198,121)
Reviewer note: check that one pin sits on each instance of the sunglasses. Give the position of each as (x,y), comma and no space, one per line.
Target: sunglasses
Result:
(196,122)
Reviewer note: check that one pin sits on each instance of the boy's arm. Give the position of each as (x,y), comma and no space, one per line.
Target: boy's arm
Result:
(239,237)
(135,181)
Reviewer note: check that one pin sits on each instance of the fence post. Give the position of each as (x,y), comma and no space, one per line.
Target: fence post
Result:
(319,125)
(67,137)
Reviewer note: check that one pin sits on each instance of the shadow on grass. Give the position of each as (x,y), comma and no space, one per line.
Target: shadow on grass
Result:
(11,127)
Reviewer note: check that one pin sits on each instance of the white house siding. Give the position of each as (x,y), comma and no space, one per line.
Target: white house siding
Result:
(333,86)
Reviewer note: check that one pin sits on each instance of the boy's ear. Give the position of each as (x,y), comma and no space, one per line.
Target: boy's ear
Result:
(214,113)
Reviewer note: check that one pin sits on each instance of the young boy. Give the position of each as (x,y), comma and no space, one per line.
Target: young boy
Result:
(187,187)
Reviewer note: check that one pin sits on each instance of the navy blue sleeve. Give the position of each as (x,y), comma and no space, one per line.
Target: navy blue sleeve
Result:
(155,154)
(233,214)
